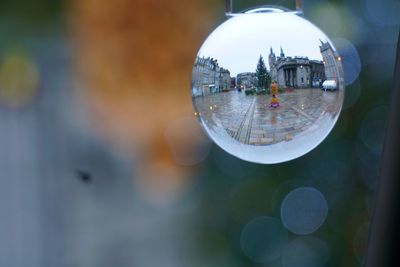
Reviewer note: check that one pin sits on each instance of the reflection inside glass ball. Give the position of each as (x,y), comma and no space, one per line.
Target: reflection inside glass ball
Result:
(267,87)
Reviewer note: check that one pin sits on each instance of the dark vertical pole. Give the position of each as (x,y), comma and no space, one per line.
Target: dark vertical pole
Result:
(228,7)
(384,237)
(299,5)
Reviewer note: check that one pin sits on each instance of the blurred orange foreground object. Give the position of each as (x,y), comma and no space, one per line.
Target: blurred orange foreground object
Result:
(133,62)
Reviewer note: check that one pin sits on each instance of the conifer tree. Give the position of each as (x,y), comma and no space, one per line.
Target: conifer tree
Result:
(263,77)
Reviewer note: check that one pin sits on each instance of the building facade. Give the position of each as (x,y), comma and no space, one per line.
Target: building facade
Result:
(233,82)
(208,77)
(224,79)
(297,72)
(333,64)
(246,80)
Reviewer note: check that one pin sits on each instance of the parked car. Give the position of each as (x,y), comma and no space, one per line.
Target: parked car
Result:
(329,85)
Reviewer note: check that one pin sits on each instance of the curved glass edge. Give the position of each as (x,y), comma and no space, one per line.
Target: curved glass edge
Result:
(265,9)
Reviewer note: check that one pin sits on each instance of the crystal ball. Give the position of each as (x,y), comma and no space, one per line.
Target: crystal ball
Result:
(267,87)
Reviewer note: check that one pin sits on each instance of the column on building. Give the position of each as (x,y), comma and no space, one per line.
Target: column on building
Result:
(294,78)
(291,78)
(286,77)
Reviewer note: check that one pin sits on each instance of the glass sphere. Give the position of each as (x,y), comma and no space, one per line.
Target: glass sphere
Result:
(267,87)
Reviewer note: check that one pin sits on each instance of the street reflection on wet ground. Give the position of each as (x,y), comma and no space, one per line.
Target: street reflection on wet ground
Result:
(250,119)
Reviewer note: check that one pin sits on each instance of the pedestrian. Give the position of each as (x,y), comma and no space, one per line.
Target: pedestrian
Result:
(274,91)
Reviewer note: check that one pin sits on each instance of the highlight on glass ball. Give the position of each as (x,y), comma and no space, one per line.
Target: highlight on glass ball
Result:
(267,87)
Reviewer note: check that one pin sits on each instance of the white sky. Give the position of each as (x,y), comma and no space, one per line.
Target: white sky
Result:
(238,43)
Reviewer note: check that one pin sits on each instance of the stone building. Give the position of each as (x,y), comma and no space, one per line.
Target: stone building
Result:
(224,79)
(297,72)
(333,64)
(317,73)
(208,77)
(246,80)
(233,82)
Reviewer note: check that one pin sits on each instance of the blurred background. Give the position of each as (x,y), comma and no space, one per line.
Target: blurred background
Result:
(103,163)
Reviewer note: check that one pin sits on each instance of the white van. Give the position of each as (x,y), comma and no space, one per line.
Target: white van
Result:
(329,85)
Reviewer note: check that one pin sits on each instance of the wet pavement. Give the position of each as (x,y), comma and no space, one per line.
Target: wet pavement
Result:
(250,119)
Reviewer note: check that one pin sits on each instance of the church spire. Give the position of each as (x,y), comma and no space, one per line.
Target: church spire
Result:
(282,54)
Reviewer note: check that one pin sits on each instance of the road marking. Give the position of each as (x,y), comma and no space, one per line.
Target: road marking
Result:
(243,133)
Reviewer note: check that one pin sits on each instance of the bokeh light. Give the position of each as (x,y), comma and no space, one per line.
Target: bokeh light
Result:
(263,239)
(304,210)
(306,252)
(19,79)
(350,59)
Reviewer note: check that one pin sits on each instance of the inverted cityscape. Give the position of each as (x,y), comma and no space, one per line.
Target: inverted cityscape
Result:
(282,98)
